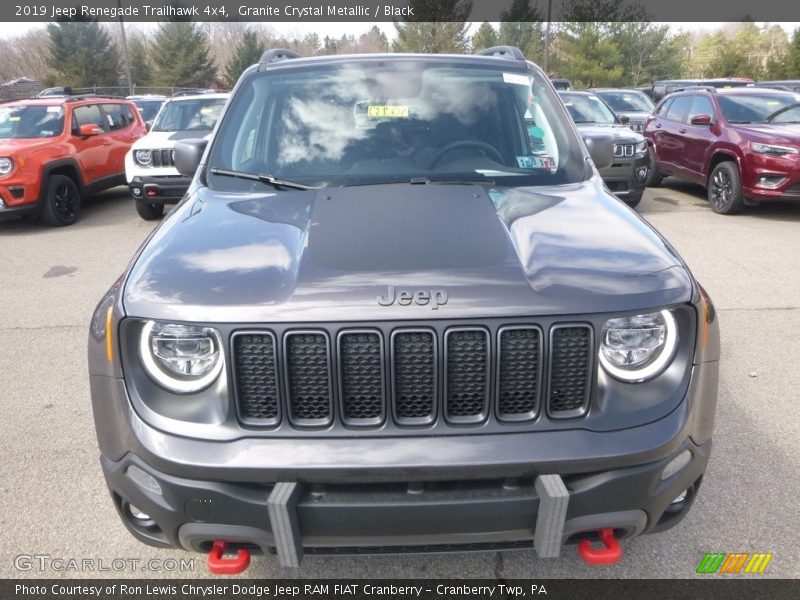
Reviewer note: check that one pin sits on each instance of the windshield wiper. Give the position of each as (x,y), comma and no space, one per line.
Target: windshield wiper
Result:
(268,179)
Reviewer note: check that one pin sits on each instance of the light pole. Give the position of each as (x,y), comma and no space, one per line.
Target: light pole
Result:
(125,55)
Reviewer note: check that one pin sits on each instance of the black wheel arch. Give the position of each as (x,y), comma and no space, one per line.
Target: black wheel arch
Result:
(68,167)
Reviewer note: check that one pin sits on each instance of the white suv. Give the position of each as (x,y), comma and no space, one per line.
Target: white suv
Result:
(150,166)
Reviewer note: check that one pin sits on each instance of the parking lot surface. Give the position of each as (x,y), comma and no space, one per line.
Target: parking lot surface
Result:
(54,501)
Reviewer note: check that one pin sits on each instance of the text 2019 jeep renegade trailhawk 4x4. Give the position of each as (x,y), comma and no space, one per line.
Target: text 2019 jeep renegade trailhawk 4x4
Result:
(397,310)
(55,151)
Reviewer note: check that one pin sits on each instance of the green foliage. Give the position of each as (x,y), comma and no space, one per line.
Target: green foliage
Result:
(521,27)
(485,37)
(792,65)
(82,55)
(141,68)
(588,56)
(649,52)
(247,52)
(181,56)
(447,35)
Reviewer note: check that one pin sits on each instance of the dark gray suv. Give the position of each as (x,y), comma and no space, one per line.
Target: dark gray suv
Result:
(398,311)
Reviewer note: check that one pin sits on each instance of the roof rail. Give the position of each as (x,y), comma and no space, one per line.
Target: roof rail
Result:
(194,92)
(509,52)
(698,88)
(277,55)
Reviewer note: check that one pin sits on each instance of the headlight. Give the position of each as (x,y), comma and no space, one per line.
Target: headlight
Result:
(641,147)
(143,157)
(181,358)
(6,165)
(772,149)
(640,347)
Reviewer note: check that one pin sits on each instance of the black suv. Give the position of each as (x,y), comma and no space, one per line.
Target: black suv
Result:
(398,310)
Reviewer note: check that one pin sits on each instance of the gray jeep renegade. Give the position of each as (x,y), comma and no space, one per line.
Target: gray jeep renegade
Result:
(397,311)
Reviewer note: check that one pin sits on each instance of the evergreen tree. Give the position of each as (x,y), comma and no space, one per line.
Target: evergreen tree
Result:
(588,56)
(438,26)
(82,55)
(181,56)
(247,52)
(141,69)
(484,38)
(792,68)
(521,27)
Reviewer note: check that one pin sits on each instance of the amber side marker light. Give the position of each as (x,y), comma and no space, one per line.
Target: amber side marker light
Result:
(109,335)
(707,316)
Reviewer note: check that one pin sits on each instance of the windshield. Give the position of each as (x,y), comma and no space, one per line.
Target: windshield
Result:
(586,108)
(758,108)
(394,120)
(627,101)
(148,108)
(31,121)
(187,115)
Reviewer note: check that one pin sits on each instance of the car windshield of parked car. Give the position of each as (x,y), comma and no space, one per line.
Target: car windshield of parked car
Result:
(187,115)
(31,121)
(760,108)
(393,121)
(148,108)
(627,101)
(585,108)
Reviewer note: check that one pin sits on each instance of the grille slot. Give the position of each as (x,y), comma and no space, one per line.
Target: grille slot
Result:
(570,370)
(256,378)
(467,379)
(308,378)
(414,376)
(519,373)
(361,377)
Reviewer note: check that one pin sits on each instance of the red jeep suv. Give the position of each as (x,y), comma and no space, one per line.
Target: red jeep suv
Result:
(54,151)
(742,144)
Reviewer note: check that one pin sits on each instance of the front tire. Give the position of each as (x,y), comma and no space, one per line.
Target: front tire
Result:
(633,200)
(62,203)
(725,189)
(148,210)
(654,178)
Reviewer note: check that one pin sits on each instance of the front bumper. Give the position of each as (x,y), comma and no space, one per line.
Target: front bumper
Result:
(627,176)
(374,495)
(168,189)
(783,170)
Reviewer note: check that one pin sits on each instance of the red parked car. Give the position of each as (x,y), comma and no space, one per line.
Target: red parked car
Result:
(742,144)
(55,151)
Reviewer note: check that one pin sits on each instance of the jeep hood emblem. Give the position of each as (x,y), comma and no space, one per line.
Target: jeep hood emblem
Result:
(405,297)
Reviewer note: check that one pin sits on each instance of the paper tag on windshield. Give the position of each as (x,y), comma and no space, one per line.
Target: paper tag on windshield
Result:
(516,79)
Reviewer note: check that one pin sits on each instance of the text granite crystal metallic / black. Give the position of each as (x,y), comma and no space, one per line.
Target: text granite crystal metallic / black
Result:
(398,311)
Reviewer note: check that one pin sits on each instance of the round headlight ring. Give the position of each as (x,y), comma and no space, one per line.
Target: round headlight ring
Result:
(654,366)
(143,157)
(168,380)
(6,165)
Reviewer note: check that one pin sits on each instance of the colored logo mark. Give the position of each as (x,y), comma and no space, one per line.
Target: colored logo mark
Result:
(735,562)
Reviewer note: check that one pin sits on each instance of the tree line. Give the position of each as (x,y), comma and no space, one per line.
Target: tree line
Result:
(594,44)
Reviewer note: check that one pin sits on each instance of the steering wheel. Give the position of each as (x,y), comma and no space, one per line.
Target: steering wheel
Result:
(777,113)
(487,148)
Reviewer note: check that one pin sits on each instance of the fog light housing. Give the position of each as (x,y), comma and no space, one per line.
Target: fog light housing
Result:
(138,514)
(137,192)
(680,498)
(770,182)
(143,480)
(676,464)
(641,174)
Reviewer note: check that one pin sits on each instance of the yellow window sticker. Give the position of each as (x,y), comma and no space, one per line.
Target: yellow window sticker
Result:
(385,111)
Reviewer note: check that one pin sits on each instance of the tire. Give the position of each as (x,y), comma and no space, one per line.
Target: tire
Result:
(149,211)
(62,202)
(633,200)
(725,189)
(654,178)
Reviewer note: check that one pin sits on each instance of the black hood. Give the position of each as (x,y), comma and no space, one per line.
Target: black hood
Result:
(329,255)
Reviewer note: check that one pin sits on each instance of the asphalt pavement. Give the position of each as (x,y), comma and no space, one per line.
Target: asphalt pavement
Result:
(54,505)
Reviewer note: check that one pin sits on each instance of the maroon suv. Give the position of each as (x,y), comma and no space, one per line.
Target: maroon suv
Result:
(742,144)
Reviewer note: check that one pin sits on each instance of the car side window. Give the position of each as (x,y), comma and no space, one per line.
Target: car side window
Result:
(127,111)
(678,108)
(662,110)
(701,106)
(88,114)
(115,117)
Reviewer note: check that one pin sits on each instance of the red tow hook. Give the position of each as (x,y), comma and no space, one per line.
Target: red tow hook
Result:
(227,566)
(608,555)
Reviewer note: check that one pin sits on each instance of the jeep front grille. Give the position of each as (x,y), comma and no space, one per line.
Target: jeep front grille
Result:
(163,158)
(411,376)
(624,150)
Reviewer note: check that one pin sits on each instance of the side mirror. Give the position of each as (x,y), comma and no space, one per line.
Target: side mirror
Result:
(624,119)
(701,120)
(89,129)
(188,154)
(601,149)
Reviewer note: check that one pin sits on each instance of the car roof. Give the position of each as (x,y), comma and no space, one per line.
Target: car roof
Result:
(576,92)
(477,59)
(71,100)
(219,95)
